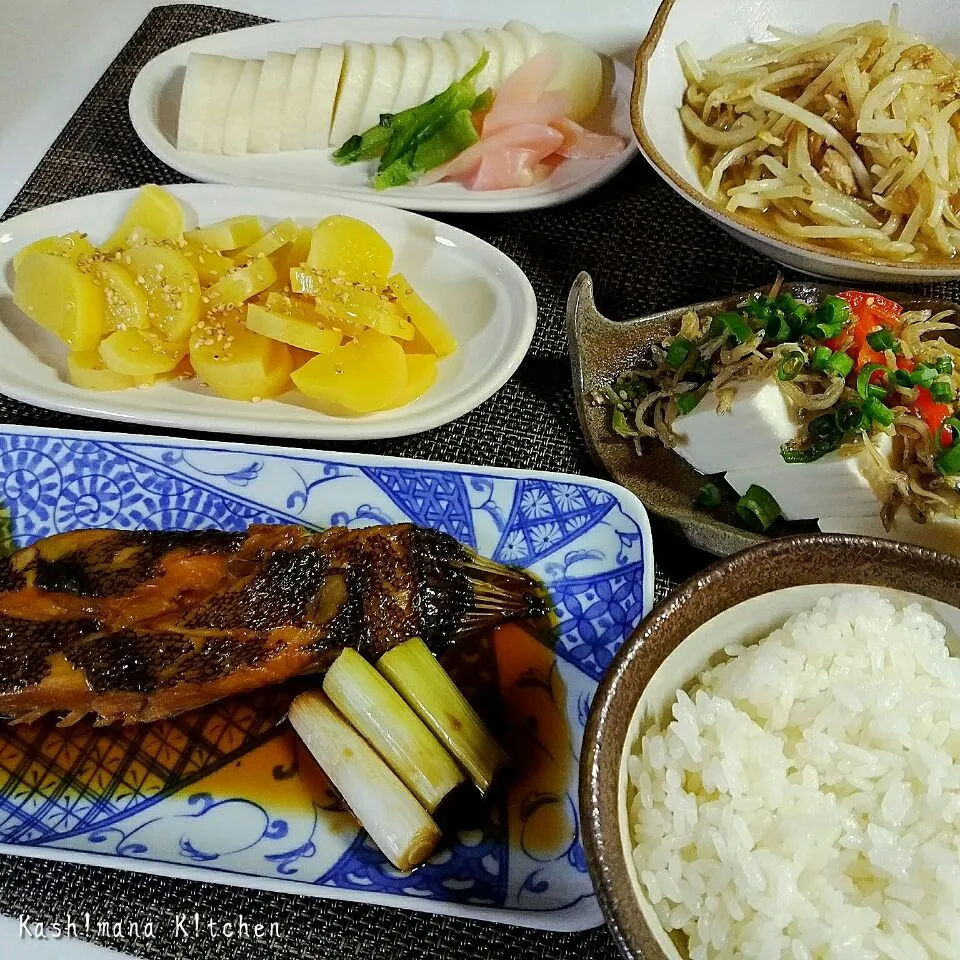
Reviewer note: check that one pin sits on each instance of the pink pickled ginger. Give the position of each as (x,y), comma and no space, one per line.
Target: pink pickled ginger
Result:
(524,134)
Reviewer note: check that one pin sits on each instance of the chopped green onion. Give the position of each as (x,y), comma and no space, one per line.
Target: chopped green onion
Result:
(677,353)
(791,365)
(621,426)
(941,391)
(828,319)
(840,364)
(949,460)
(902,378)
(686,401)
(738,328)
(943,365)
(808,454)
(708,497)
(953,425)
(757,508)
(758,307)
(863,380)
(629,386)
(924,375)
(878,412)
(777,328)
(848,417)
(823,427)
(821,357)
(880,339)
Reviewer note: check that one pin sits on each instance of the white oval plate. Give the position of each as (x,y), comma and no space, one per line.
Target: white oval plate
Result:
(483,295)
(155,100)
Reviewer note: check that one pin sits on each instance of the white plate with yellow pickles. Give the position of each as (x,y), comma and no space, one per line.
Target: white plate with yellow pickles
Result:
(256,311)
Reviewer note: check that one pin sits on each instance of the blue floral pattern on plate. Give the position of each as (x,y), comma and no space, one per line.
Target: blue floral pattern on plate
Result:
(588,540)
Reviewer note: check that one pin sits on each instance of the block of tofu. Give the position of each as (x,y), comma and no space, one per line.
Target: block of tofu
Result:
(835,485)
(748,435)
(938,533)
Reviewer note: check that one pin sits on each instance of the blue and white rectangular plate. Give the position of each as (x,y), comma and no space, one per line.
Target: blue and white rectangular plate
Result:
(226,794)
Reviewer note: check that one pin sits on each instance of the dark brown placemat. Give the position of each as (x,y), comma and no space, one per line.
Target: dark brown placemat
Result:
(646,249)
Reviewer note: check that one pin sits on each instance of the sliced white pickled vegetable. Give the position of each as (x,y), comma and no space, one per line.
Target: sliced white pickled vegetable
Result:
(236,130)
(323,98)
(490,75)
(443,67)
(466,50)
(512,50)
(198,83)
(267,120)
(224,83)
(580,74)
(531,39)
(417,62)
(384,85)
(297,105)
(354,88)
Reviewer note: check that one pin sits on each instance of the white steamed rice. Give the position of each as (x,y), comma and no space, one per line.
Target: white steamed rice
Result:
(805,800)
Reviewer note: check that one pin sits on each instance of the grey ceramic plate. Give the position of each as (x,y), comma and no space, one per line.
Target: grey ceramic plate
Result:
(600,349)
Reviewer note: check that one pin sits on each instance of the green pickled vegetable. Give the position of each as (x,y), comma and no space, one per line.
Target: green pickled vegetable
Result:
(416,140)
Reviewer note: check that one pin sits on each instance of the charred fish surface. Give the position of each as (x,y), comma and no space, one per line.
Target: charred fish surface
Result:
(142,625)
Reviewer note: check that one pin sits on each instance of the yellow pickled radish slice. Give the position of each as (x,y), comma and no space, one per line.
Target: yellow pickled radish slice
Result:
(350,248)
(55,293)
(363,375)
(210,264)
(240,285)
(292,329)
(154,210)
(171,286)
(228,234)
(73,246)
(239,364)
(345,303)
(125,303)
(429,325)
(306,308)
(85,369)
(421,375)
(140,353)
(278,236)
(292,255)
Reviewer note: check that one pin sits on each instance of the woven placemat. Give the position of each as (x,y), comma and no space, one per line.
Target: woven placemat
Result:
(646,250)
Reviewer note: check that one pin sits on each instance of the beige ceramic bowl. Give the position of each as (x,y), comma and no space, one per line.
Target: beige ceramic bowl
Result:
(744,597)
(710,26)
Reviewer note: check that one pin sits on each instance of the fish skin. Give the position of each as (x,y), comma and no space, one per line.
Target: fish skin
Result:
(142,625)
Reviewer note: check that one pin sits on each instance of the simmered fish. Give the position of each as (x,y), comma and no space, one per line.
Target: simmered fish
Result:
(142,625)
